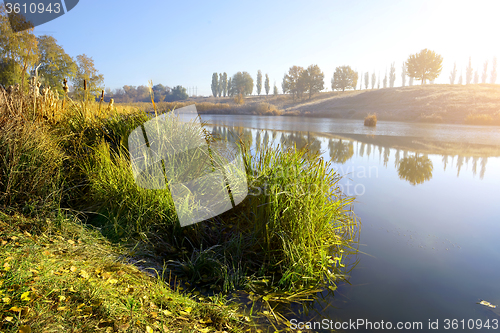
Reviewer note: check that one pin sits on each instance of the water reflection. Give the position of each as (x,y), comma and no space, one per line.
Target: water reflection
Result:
(340,151)
(414,167)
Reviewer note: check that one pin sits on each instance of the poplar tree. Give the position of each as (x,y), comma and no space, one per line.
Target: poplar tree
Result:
(374,80)
(392,75)
(485,72)
(468,72)
(259,82)
(453,74)
(367,80)
(403,74)
(266,85)
(493,75)
(215,84)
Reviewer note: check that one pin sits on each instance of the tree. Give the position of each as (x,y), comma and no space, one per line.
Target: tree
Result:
(242,83)
(275,90)
(476,77)
(415,169)
(403,74)
(367,80)
(361,82)
(224,84)
(179,93)
(18,51)
(426,65)
(259,82)
(493,75)
(344,77)
(460,79)
(374,80)
(215,84)
(87,71)
(385,79)
(266,85)
(392,76)
(230,92)
(485,72)
(284,85)
(468,72)
(219,86)
(313,80)
(453,74)
(293,82)
(55,64)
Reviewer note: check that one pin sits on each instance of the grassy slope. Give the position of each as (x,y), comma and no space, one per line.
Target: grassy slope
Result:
(441,103)
(436,103)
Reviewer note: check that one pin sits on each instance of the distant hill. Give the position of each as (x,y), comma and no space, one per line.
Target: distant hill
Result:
(474,103)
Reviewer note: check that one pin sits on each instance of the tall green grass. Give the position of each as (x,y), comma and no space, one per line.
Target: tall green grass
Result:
(289,231)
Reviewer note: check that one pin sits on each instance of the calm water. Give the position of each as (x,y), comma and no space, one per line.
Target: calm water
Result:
(430,234)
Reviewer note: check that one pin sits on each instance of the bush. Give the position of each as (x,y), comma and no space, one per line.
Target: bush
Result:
(266,109)
(481,119)
(239,99)
(371,120)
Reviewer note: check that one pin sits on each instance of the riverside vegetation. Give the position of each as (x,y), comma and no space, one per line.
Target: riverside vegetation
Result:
(73,220)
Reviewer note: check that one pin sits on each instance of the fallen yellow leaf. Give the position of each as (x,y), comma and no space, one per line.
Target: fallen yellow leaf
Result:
(15,309)
(25,296)
(84,274)
(6,300)
(73,269)
(25,329)
(62,308)
(149,329)
(9,319)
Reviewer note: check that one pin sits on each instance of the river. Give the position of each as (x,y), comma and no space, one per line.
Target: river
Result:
(429,244)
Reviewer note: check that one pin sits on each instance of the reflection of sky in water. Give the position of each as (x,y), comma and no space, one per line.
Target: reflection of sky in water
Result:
(431,249)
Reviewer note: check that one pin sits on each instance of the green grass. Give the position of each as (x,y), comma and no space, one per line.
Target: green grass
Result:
(286,240)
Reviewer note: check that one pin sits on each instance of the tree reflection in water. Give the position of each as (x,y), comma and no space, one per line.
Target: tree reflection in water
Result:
(415,169)
(340,150)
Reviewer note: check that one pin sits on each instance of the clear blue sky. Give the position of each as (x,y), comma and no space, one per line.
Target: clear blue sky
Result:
(184,42)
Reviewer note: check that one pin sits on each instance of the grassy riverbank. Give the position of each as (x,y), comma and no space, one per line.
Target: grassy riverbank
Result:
(73,220)
(476,104)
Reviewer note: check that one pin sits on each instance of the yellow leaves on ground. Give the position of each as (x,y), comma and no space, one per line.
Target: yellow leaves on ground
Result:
(149,329)
(25,329)
(83,274)
(25,296)
(167,313)
(6,300)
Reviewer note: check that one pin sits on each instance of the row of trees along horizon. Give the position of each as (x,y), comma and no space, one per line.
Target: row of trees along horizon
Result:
(423,66)
(23,55)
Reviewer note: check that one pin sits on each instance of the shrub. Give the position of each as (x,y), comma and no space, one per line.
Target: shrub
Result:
(266,109)
(371,120)
(239,99)
(479,119)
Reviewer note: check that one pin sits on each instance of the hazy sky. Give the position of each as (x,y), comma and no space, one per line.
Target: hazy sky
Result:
(184,42)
